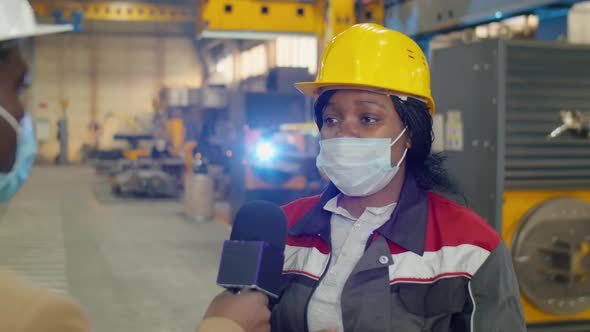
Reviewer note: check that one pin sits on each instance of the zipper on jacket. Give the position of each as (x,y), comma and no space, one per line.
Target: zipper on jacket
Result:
(306,325)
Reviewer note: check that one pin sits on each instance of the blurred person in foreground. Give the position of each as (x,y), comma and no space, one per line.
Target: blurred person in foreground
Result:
(25,307)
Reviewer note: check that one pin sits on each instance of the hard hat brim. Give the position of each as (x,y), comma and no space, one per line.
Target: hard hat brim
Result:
(40,30)
(315,89)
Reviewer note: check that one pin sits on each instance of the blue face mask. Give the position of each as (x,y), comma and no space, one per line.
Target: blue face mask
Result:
(26,152)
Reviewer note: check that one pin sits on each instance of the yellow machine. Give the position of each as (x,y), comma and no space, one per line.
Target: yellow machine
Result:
(134,152)
(176,134)
(159,154)
(172,110)
(566,250)
(134,128)
(517,143)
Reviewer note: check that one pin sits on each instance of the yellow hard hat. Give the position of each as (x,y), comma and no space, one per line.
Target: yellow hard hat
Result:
(370,56)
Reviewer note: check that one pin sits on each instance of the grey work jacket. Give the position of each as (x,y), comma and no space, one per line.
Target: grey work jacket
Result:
(447,270)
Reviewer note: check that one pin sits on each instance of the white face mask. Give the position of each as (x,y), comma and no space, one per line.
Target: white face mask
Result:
(358,166)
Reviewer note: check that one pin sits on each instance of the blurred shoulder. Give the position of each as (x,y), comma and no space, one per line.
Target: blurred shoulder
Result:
(26,307)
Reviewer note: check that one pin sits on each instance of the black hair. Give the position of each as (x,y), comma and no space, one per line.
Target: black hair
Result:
(427,167)
(6,47)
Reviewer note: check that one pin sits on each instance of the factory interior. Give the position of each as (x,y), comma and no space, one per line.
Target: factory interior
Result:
(156,120)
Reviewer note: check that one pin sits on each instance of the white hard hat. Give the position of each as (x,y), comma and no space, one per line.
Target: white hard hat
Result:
(17,20)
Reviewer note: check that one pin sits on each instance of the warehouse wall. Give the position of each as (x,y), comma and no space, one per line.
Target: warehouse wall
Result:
(579,23)
(102,74)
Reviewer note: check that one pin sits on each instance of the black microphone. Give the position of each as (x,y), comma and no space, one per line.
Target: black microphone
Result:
(253,257)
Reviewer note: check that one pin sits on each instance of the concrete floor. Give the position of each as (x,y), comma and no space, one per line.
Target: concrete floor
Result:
(135,265)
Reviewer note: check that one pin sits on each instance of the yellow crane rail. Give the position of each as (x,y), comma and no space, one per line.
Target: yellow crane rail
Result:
(255,16)
(117,11)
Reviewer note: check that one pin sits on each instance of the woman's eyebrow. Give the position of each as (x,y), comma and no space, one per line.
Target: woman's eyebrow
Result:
(331,104)
(372,102)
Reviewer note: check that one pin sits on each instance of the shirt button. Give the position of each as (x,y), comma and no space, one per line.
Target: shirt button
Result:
(383,260)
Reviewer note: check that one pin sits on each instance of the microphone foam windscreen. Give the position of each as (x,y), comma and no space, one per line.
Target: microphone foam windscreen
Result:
(260,221)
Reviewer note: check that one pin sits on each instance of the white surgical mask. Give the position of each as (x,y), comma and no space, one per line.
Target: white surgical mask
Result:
(358,166)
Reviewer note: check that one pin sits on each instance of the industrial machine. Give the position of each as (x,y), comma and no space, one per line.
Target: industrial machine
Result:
(131,132)
(274,155)
(512,119)
(158,154)
(280,158)
(159,171)
(149,178)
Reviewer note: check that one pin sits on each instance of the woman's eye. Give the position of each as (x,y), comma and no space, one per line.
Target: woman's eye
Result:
(330,121)
(369,120)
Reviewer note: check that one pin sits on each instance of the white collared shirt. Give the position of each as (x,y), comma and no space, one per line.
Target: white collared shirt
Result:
(349,239)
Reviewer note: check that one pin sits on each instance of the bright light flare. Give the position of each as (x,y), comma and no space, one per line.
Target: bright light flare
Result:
(265,151)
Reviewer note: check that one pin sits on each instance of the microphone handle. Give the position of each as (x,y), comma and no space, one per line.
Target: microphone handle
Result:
(239,290)
(236,290)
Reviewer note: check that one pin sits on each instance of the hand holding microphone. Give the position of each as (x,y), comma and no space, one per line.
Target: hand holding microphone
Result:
(249,310)
(253,257)
(252,265)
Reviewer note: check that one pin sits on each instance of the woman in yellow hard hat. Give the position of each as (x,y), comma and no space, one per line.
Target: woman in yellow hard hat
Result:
(379,250)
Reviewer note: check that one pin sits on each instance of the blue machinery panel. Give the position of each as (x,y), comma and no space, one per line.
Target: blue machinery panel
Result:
(422,19)
(76,19)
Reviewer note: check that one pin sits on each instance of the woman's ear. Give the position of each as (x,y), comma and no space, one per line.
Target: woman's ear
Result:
(408,141)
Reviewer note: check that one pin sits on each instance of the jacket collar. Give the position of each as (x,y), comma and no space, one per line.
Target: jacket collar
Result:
(406,227)
(317,220)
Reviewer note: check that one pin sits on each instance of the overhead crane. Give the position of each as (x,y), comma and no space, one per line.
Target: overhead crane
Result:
(420,19)
(322,18)
(227,18)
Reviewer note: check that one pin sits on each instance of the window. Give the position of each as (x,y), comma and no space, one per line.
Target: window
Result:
(298,52)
